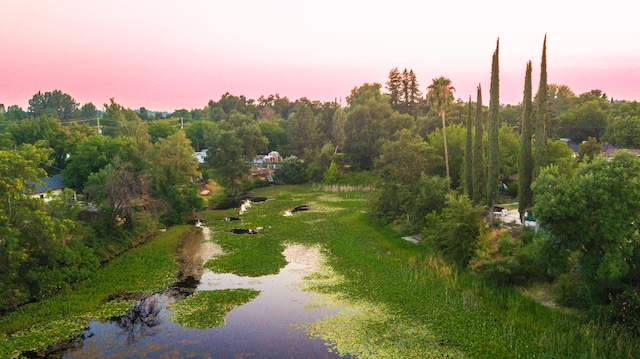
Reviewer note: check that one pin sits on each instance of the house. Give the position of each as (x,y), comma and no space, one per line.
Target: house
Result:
(610,151)
(269,159)
(51,187)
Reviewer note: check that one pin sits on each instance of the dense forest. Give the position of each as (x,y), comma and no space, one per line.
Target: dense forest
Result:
(438,167)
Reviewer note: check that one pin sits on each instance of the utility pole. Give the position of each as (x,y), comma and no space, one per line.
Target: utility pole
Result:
(181,124)
(99,130)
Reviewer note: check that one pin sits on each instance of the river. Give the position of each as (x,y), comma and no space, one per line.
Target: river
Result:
(266,327)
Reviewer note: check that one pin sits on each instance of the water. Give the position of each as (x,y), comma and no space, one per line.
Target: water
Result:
(266,327)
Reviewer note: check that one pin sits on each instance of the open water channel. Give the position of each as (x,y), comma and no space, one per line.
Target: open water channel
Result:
(266,327)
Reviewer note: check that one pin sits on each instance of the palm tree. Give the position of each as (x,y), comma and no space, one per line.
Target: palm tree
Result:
(440,97)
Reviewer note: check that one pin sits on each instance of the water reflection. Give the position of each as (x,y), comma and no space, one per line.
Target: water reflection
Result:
(140,321)
(266,327)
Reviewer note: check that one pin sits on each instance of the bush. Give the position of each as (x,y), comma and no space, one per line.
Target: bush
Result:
(456,231)
(624,309)
(506,261)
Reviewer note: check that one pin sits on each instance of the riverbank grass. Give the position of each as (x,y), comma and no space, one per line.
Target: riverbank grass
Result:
(144,269)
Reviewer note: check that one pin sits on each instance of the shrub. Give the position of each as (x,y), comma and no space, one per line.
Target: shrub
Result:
(456,231)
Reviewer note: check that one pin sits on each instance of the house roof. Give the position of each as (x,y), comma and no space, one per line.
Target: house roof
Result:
(51,183)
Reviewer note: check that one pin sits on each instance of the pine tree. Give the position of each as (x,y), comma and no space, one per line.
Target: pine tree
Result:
(468,154)
(525,158)
(493,149)
(393,86)
(404,91)
(414,92)
(479,179)
(541,115)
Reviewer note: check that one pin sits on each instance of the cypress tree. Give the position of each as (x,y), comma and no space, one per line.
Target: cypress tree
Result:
(493,165)
(468,154)
(525,159)
(541,115)
(479,180)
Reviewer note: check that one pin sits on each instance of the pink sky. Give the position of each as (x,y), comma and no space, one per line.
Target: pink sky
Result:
(167,55)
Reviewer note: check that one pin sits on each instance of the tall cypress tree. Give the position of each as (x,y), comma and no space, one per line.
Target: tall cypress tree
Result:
(468,154)
(525,158)
(541,115)
(479,179)
(493,149)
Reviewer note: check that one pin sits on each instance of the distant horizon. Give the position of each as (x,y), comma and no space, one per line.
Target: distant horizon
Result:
(166,56)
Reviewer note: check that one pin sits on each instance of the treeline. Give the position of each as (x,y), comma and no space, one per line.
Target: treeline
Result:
(438,166)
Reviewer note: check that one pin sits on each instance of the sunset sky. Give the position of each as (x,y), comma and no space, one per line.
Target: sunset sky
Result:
(167,55)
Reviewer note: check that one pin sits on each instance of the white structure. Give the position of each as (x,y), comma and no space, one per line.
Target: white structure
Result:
(200,156)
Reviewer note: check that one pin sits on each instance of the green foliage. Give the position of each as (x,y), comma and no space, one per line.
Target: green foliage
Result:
(505,261)
(493,148)
(479,178)
(208,309)
(455,143)
(56,103)
(332,174)
(162,129)
(290,172)
(368,109)
(589,150)
(468,154)
(541,116)
(525,154)
(456,231)
(146,268)
(593,215)
(94,153)
(440,98)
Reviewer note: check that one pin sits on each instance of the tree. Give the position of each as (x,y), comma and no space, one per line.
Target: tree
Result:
(198,132)
(468,154)
(440,97)
(55,103)
(457,230)
(541,116)
(44,132)
(393,87)
(577,212)
(589,150)
(301,129)
(455,143)
(121,189)
(94,153)
(88,110)
(585,119)
(525,157)
(231,148)
(275,135)
(173,169)
(368,109)
(404,161)
(161,129)
(493,150)
(479,178)
(332,174)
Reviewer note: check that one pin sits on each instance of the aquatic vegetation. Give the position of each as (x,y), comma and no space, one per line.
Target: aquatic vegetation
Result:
(207,309)
(144,269)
